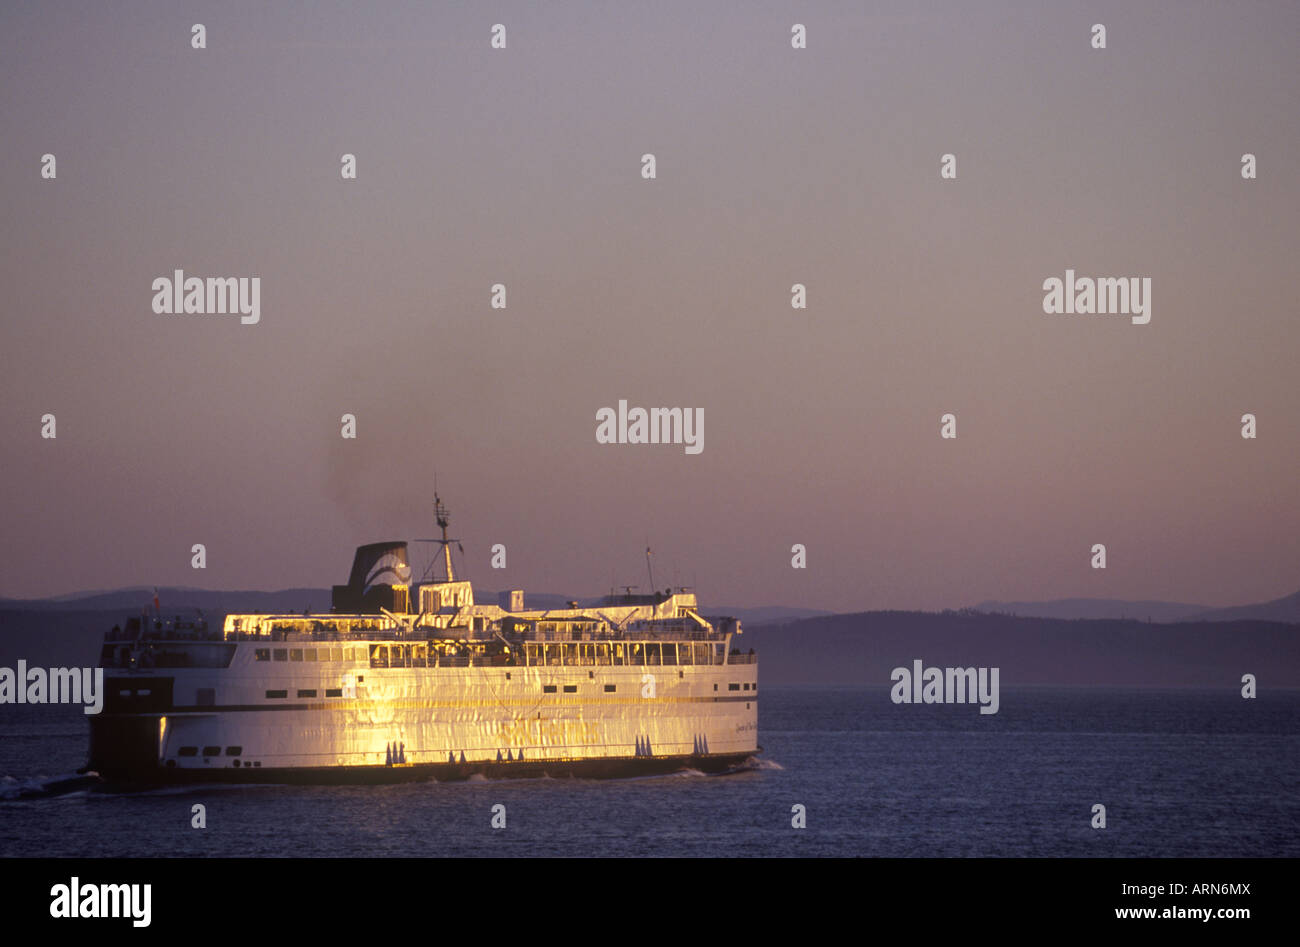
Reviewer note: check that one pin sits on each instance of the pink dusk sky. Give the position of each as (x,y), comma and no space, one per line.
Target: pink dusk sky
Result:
(775,166)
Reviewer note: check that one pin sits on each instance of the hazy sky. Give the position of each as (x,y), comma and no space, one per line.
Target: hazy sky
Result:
(775,166)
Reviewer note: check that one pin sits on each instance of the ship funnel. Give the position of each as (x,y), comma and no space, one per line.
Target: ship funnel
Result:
(379,579)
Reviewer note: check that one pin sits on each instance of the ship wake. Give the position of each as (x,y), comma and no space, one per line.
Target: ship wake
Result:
(757,763)
(47,787)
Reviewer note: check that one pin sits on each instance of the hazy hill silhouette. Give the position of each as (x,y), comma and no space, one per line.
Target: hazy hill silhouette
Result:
(66,630)
(1096,608)
(866,647)
(177,601)
(1286,609)
(215,605)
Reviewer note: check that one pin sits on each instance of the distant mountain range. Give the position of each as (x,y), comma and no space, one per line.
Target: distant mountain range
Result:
(1286,609)
(214,604)
(1085,642)
(67,630)
(178,600)
(854,649)
(864,648)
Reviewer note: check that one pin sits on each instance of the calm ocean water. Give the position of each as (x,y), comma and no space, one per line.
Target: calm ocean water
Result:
(1181,773)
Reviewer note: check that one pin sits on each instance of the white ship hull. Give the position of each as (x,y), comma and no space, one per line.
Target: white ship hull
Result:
(340,721)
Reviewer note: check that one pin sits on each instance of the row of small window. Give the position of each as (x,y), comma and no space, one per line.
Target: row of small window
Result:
(210,751)
(309,654)
(611,688)
(421,655)
(329,692)
(623,653)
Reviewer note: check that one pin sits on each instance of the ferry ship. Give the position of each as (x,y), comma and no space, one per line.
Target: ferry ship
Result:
(403,681)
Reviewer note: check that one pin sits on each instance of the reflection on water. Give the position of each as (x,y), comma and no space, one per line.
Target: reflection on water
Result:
(1180,773)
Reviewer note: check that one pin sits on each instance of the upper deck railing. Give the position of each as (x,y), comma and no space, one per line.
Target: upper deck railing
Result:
(631,654)
(164,629)
(380,628)
(641,642)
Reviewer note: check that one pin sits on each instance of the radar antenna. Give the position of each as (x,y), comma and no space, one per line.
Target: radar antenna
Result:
(443,519)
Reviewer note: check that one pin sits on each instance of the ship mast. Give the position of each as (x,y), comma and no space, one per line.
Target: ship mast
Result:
(441,516)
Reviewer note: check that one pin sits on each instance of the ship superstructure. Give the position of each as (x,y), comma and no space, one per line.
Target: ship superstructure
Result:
(407,680)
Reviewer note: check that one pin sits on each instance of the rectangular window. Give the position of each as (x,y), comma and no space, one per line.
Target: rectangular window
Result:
(548,688)
(276,694)
(262,654)
(212,751)
(733,687)
(310,654)
(189,751)
(295,654)
(234,751)
(610,688)
(745,687)
(281,654)
(570,688)
(306,693)
(334,692)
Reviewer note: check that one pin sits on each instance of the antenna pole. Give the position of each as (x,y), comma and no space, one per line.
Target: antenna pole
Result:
(651,569)
(441,516)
